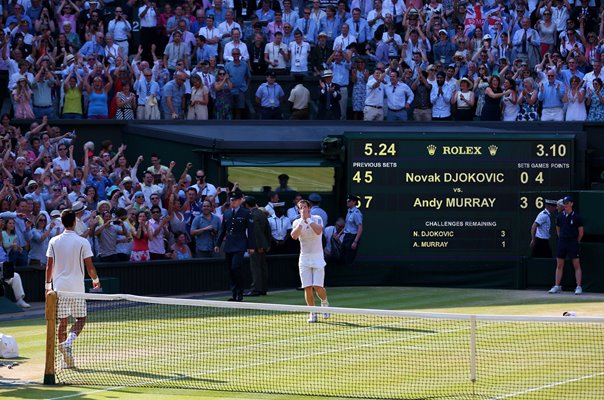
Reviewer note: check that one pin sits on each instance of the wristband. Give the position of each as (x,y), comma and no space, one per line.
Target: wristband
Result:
(308,221)
(95,280)
(48,285)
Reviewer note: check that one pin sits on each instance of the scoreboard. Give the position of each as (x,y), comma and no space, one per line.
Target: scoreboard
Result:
(454,195)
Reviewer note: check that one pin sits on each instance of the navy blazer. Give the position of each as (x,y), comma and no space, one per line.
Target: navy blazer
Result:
(234,231)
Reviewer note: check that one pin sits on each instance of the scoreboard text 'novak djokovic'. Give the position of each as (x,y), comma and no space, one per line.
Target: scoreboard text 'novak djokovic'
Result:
(431,195)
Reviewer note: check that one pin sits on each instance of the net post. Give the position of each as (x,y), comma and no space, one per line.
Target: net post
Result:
(473,350)
(51,328)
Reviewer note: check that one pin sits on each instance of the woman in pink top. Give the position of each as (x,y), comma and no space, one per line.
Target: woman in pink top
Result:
(142,235)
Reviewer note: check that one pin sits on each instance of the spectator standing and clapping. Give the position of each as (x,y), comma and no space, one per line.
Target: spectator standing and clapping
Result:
(329,107)
(148,93)
(551,94)
(180,250)
(440,97)
(22,99)
(222,90)
(142,235)
(575,101)
(158,233)
(173,98)
(398,97)
(204,230)
(198,105)
(41,233)
(595,99)
(464,101)
(359,77)
(299,98)
(491,111)
(126,103)
(510,100)
(269,96)
(528,101)
(239,74)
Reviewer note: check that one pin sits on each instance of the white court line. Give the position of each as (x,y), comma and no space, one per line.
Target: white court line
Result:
(270,343)
(257,364)
(551,385)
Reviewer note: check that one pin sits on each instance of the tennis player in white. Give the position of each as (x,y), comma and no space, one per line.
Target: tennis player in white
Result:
(68,254)
(309,230)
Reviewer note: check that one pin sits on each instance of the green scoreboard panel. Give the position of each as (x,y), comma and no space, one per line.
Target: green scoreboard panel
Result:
(454,195)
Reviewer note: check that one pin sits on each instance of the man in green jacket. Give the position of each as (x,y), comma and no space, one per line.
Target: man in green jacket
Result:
(262,235)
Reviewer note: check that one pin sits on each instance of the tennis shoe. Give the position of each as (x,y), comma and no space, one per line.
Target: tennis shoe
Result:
(579,290)
(325,314)
(21,303)
(555,289)
(313,317)
(67,354)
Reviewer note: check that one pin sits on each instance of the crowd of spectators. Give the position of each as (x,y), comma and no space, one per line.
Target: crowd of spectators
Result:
(511,60)
(128,213)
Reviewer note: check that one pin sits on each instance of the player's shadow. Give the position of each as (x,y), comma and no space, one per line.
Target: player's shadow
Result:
(378,327)
(148,376)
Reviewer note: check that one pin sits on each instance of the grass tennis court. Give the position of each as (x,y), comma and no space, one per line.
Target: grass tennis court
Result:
(406,344)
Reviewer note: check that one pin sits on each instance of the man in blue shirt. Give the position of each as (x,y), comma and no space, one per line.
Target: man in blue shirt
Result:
(240,74)
(308,27)
(359,28)
(569,226)
(94,46)
(204,229)
(270,95)
(173,97)
(551,95)
(340,67)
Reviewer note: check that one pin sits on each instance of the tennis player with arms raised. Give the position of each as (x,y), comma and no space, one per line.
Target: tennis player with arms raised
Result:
(68,254)
(308,229)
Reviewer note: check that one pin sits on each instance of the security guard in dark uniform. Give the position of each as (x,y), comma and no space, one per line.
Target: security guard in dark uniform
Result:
(569,227)
(540,231)
(353,229)
(236,225)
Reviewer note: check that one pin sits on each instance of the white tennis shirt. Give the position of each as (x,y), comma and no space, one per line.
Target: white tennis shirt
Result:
(311,244)
(68,251)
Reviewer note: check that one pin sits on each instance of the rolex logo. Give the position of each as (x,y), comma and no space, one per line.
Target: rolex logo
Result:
(431,149)
(493,150)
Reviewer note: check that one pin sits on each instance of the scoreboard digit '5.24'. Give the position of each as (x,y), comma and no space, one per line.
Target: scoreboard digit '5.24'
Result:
(435,195)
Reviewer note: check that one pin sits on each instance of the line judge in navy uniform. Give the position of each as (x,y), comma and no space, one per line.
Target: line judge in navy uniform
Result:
(353,229)
(540,231)
(237,234)
(569,226)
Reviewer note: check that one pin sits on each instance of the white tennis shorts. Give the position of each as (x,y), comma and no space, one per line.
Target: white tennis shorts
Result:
(311,276)
(71,307)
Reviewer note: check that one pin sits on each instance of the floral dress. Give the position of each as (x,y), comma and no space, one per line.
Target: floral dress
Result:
(222,104)
(359,92)
(528,112)
(596,110)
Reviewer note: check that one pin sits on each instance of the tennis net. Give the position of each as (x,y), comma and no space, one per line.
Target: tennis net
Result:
(267,348)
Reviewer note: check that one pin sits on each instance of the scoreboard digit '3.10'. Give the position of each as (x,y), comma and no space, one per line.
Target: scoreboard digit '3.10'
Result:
(442,195)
